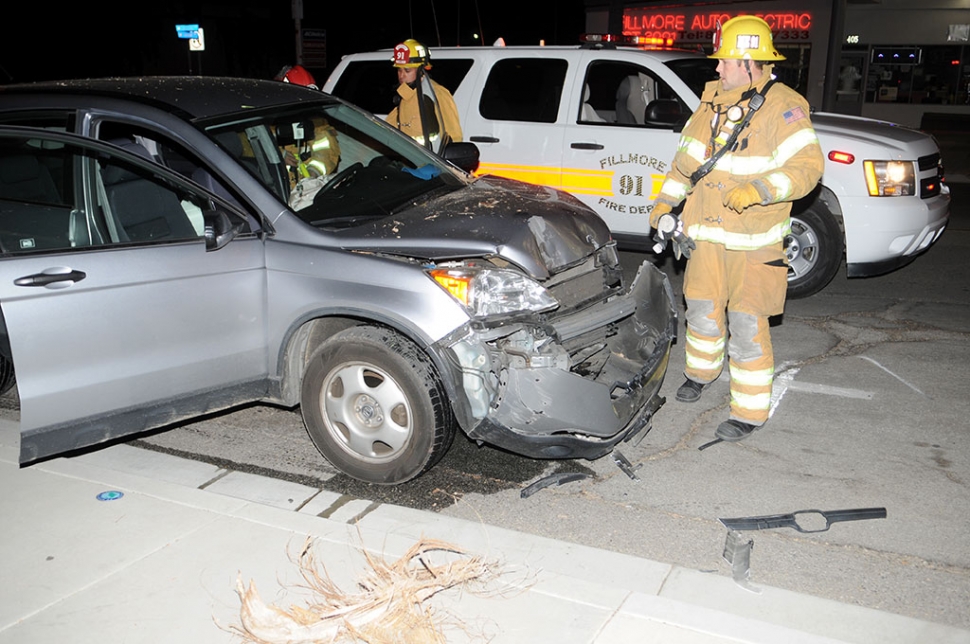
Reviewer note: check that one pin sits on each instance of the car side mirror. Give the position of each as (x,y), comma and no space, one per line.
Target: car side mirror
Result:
(663,111)
(219,229)
(463,154)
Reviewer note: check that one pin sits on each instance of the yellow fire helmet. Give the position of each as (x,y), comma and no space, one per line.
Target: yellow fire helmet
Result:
(745,38)
(411,53)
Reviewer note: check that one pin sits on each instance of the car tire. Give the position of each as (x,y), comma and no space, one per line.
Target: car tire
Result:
(7,376)
(814,249)
(375,406)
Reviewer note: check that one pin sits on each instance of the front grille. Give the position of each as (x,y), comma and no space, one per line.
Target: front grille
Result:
(594,280)
(929,162)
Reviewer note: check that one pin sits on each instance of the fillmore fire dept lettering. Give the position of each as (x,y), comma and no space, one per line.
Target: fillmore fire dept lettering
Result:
(638,177)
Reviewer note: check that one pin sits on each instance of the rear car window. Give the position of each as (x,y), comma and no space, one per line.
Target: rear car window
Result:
(524,89)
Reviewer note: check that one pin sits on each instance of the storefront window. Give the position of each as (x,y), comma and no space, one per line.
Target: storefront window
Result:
(935,76)
(793,71)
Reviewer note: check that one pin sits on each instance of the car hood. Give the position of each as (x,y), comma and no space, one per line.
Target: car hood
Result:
(865,136)
(539,229)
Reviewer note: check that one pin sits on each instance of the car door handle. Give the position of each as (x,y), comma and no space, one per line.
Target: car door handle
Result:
(52,276)
(586,146)
(483,139)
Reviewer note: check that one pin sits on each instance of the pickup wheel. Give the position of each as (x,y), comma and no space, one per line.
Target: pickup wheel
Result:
(7,376)
(814,249)
(375,407)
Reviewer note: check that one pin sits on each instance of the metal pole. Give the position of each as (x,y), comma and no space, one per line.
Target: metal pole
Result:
(296,10)
(834,58)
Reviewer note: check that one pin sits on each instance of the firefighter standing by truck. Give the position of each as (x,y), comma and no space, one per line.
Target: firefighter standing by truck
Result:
(746,153)
(424,109)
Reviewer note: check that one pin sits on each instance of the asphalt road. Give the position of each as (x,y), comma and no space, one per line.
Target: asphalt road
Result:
(871,411)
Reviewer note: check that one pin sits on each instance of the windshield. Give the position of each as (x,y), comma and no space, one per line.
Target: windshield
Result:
(695,72)
(334,165)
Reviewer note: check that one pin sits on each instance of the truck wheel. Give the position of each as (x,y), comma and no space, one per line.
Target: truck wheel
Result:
(814,249)
(375,407)
(7,376)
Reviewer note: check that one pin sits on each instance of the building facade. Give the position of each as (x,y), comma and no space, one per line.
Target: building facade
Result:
(899,60)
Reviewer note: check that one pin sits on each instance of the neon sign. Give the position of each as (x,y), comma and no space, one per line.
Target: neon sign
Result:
(680,27)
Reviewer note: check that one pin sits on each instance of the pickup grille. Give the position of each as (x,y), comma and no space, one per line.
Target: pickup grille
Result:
(929,162)
(930,186)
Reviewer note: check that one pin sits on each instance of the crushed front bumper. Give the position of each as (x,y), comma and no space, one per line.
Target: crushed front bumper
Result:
(542,403)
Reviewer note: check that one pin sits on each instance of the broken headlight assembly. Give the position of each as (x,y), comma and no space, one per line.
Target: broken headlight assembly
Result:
(890,178)
(487,291)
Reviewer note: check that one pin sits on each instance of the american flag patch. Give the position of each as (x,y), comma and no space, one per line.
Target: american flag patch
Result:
(793,115)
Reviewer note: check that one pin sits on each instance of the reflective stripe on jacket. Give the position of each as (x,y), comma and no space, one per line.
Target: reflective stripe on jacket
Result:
(778,153)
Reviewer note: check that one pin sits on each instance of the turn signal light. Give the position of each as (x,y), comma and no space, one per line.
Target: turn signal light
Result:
(841,157)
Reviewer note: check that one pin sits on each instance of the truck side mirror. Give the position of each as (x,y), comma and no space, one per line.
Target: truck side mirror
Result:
(465,155)
(663,111)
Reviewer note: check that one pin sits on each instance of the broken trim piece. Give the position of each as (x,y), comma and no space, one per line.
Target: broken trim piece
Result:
(560,478)
(738,554)
(770,521)
(624,464)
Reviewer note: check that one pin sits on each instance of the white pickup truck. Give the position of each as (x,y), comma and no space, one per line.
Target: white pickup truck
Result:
(602,123)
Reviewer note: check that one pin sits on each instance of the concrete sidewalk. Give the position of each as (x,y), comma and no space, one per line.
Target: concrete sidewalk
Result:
(160,562)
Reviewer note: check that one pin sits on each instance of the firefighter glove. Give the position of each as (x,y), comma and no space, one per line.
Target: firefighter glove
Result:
(671,228)
(683,245)
(659,210)
(742,196)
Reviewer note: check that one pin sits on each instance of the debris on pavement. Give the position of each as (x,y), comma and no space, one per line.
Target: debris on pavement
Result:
(710,444)
(624,464)
(738,554)
(388,604)
(559,478)
(807,521)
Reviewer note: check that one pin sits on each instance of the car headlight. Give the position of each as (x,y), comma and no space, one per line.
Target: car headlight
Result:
(890,178)
(493,291)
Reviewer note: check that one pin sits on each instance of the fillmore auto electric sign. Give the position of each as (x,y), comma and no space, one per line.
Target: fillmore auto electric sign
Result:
(698,28)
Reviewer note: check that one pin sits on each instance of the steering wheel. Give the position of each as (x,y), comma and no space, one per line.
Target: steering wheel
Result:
(341,178)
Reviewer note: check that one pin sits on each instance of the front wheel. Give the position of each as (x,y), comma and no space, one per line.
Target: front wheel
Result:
(814,249)
(375,407)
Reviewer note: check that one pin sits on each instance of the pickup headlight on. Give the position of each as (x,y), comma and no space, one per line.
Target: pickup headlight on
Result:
(890,178)
(489,291)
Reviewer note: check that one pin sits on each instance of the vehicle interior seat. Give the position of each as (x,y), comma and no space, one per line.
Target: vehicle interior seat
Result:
(24,178)
(632,97)
(589,114)
(143,210)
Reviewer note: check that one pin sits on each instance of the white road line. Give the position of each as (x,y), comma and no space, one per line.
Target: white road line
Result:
(829,390)
(781,384)
(893,375)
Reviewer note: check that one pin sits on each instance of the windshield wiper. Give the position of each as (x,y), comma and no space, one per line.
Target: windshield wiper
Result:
(344,222)
(424,197)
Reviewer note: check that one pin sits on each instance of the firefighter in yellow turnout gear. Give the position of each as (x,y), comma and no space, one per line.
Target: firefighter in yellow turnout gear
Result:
(736,216)
(424,110)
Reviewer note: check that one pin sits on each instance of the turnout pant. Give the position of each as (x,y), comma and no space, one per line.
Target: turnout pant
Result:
(730,295)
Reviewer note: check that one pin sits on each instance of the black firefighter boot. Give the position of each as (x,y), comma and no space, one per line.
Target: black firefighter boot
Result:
(690,391)
(733,430)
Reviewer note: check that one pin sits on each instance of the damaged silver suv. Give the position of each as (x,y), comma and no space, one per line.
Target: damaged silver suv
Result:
(174,246)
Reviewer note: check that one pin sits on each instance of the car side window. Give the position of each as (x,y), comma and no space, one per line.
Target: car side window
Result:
(524,89)
(137,206)
(372,84)
(37,205)
(617,93)
(153,145)
(44,206)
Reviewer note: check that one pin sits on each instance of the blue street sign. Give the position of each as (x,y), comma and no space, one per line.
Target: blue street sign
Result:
(187,31)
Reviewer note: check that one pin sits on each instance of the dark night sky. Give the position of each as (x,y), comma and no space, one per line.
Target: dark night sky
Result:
(254,38)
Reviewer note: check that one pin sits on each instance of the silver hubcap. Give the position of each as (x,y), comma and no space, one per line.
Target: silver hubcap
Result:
(801,248)
(366,412)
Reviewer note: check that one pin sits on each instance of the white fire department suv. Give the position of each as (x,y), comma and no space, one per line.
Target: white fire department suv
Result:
(603,122)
